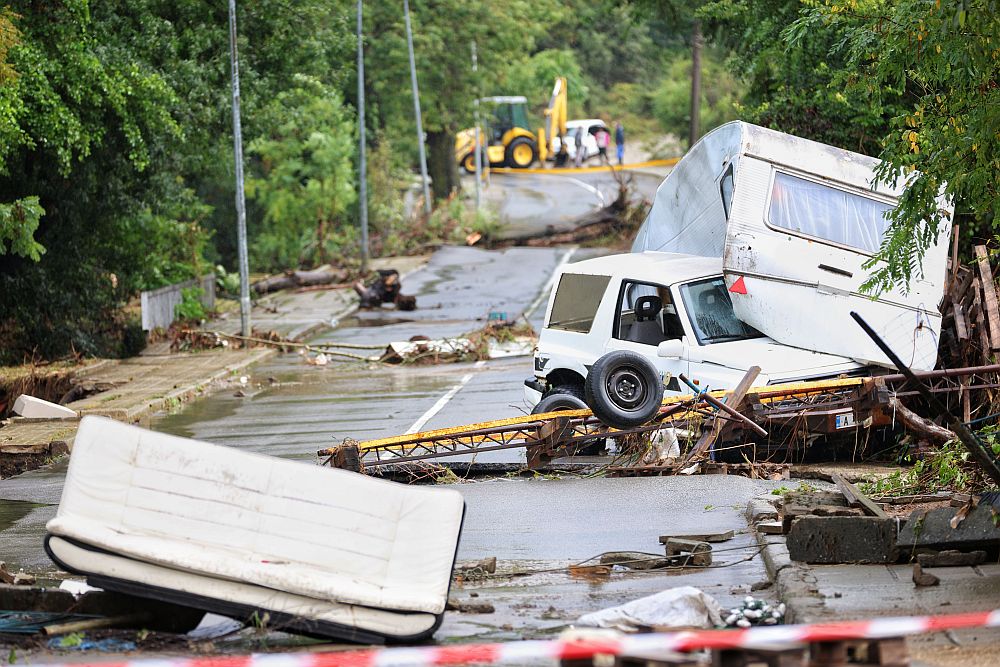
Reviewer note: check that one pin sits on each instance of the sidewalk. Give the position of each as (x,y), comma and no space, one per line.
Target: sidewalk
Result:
(823,593)
(158,379)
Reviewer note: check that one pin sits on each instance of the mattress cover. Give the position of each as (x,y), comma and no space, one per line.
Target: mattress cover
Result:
(291,527)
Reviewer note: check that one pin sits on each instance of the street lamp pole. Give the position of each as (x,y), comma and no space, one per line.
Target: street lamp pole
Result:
(416,109)
(362,167)
(479,157)
(241,209)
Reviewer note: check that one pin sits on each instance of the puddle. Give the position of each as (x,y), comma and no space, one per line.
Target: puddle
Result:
(361,321)
(12,511)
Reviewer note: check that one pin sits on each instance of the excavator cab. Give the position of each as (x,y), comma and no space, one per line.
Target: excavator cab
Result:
(506,139)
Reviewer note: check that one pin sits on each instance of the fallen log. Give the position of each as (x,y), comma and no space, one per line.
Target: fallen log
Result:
(289,279)
(925,427)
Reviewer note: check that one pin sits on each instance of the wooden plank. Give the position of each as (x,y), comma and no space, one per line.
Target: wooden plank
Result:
(977,307)
(954,257)
(961,328)
(855,498)
(989,296)
(733,399)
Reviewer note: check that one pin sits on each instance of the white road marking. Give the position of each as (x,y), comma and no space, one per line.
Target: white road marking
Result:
(591,189)
(544,293)
(441,402)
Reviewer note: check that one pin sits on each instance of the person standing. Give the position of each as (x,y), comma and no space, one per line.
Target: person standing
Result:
(603,139)
(578,156)
(620,142)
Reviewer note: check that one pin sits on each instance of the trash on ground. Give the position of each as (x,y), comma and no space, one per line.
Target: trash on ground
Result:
(469,606)
(753,611)
(233,541)
(30,407)
(683,607)
(105,645)
(385,288)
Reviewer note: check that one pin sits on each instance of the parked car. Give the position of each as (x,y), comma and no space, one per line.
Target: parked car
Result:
(590,127)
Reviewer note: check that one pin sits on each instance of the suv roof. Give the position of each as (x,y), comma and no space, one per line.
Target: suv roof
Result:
(662,267)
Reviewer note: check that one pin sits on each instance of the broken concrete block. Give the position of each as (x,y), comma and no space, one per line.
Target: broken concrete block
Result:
(693,552)
(36,408)
(979,529)
(24,579)
(951,558)
(815,498)
(842,539)
(771,528)
(792,512)
(701,537)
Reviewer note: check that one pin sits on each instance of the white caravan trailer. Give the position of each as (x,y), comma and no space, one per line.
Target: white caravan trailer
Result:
(794,221)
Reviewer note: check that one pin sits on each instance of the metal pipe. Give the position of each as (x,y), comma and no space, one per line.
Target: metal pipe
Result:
(712,400)
(362,166)
(416,109)
(241,209)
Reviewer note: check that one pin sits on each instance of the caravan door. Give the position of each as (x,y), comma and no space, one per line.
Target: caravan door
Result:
(795,249)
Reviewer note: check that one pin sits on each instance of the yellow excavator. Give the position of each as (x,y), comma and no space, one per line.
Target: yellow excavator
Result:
(506,140)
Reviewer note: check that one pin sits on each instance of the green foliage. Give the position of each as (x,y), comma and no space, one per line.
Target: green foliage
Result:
(71,640)
(672,99)
(228,282)
(945,56)
(190,308)
(791,75)
(18,222)
(535,77)
(948,468)
(306,180)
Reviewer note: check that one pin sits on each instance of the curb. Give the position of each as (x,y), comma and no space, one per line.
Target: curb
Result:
(793,582)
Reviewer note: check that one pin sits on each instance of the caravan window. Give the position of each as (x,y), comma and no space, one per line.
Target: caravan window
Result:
(827,213)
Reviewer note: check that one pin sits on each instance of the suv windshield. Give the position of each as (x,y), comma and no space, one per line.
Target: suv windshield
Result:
(711,313)
(576,302)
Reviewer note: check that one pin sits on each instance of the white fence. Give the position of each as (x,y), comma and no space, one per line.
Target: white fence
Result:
(158,304)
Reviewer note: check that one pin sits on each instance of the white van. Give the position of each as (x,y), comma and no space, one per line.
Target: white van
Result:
(793,222)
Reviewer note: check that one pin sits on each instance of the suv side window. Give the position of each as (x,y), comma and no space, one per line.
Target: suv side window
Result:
(646,314)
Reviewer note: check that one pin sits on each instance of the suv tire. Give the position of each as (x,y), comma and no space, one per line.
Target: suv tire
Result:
(623,389)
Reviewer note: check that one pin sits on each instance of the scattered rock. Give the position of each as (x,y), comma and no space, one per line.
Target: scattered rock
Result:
(634,561)
(921,578)
(466,607)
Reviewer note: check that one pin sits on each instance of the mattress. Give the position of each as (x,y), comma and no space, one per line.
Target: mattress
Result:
(327,551)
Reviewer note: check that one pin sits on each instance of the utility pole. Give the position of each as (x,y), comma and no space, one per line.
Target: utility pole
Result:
(362,166)
(416,109)
(695,130)
(479,157)
(241,208)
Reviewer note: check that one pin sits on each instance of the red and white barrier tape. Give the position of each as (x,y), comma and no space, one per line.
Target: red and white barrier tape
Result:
(516,653)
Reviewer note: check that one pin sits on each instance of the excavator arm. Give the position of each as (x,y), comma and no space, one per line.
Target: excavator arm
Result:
(555,120)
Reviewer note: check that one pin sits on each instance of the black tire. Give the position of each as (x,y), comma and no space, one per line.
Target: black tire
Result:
(468,163)
(562,397)
(623,389)
(569,397)
(519,147)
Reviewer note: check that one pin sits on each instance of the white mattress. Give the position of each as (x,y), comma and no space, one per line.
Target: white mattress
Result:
(256,527)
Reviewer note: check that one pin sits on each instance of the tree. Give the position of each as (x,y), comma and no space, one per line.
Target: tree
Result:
(944,58)
(442,32)
(303,177)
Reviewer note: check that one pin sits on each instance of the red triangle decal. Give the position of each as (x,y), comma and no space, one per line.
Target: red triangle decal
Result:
(738,287)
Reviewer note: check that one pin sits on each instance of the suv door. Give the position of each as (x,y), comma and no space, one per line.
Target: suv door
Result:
(646,315)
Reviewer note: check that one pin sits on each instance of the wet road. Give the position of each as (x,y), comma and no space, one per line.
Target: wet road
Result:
(291,409)
(532,203)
